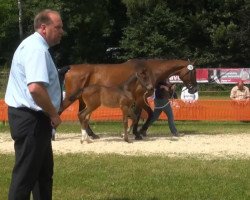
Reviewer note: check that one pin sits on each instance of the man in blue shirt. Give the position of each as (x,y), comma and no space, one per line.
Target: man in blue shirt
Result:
(33,97)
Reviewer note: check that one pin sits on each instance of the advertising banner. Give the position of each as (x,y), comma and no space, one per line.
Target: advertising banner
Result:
(234,75)
(219,76)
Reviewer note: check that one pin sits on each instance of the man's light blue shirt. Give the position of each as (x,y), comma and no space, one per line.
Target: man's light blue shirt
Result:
(32,63)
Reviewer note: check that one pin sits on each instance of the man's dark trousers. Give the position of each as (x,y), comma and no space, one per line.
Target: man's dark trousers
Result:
(31,132)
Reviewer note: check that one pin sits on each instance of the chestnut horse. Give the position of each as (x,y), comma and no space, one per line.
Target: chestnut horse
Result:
(122,97)
(83,75)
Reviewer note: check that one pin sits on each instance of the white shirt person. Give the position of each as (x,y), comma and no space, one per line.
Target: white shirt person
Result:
(187,97)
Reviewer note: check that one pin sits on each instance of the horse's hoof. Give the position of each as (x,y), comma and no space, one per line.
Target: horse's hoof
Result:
(143,133)
(81,141)
(128,141)
(88,140)
(94,137)
(138,137)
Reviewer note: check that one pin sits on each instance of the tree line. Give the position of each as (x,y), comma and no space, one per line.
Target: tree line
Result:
(212,32)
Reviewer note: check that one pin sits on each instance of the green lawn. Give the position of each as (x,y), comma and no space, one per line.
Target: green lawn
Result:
(115,177)
(158,128)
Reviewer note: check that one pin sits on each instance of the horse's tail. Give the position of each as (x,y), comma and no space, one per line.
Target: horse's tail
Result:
(61,73)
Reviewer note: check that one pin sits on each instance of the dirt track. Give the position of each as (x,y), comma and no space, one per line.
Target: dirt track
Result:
(203,146)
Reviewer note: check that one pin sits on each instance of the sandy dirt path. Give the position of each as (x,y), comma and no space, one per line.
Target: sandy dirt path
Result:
(203,146)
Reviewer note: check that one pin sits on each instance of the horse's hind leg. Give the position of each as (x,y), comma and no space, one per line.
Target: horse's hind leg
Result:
(89,131)
(84,119)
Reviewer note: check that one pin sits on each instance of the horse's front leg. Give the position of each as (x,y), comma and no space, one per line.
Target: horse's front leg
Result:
(84,119)
(144,128)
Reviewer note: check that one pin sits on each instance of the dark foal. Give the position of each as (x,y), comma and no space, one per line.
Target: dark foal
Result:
(122,97)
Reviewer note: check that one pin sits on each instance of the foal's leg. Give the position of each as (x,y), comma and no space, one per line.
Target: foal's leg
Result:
(125,123)
(89,131)
(84,119)
(132,118)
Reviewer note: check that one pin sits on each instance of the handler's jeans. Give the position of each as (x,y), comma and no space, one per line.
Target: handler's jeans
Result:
(31,132)
(163,105)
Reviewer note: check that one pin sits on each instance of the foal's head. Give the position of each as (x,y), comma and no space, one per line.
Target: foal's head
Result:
(145,78)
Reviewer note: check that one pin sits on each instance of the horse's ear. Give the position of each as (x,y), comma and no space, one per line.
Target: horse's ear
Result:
(191,62)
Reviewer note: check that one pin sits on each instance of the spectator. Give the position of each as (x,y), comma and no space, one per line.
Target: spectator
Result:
(33,97)
(240,92)
(187,97)
(163,92)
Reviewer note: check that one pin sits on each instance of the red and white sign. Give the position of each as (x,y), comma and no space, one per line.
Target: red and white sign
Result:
(219,76)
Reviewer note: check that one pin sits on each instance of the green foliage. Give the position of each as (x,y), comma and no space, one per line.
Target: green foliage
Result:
(212,32)
(205,31)
(87,25)
(8,29)
(91,27)
(155,34)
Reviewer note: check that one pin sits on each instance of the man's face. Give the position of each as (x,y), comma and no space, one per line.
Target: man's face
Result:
(240,85)
(54,31)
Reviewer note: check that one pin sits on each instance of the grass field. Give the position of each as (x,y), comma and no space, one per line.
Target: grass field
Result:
(114,177)
(117,177)
(158,128)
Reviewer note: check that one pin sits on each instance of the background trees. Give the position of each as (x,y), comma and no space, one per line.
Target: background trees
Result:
(212,32)
(207,31)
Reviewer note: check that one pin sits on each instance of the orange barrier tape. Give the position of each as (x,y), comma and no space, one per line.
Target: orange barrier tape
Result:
(210,110)
(3,111)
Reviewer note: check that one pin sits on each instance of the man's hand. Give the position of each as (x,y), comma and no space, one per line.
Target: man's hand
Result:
(55,121)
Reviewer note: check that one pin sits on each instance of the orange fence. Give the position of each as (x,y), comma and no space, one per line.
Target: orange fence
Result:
(211,110)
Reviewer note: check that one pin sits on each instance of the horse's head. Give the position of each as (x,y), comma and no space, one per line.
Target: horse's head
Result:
(188,75)
(145,78)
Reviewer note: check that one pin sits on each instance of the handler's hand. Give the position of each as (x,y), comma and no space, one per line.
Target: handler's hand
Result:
(55,121)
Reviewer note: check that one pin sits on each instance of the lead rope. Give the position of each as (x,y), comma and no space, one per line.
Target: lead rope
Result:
(160,107)
(157,107)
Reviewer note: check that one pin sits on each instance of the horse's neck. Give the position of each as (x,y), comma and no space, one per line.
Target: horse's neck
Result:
(164,71)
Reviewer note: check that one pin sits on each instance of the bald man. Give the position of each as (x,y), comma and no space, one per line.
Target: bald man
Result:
(240,92)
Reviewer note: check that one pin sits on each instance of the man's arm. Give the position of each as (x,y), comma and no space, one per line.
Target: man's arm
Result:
(40,95)
(233,94)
